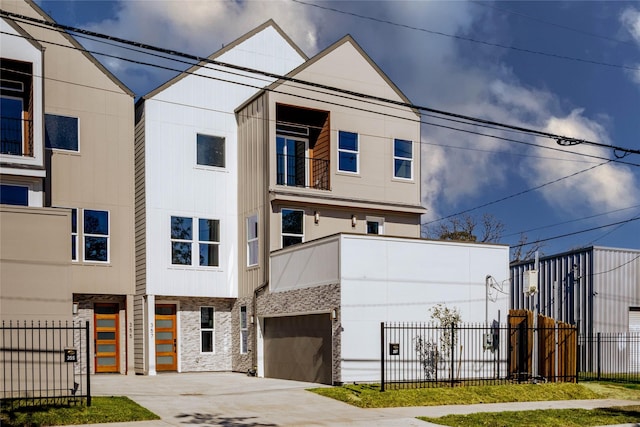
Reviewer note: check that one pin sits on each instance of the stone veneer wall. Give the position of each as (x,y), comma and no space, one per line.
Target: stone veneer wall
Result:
(191,358)
(307,301)
(85,313)
(242,362)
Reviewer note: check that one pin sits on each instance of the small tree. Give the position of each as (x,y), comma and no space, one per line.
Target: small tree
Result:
(428,351)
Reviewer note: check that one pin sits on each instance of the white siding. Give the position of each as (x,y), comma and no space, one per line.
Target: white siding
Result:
(398,280)
(175,185)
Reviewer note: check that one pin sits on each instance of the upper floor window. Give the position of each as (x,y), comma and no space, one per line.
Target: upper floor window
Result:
(74,234)
(402,159)
(15,108)
(292,227)
(61,132)
(348,152)
(182,241)
(375,225)
(252,240)
(292,161)
(206,329)
(14,195)
(96,235)
(210,150)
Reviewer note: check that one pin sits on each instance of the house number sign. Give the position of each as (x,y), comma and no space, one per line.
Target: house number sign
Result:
(70,355)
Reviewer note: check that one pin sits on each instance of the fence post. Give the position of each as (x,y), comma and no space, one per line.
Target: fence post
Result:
(598,355)
(453,347)
(88,354)
(382,356)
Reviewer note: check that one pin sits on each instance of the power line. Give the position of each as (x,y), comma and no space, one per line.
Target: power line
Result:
(528,190)
(558,138)
(615,268)
(138,62)
(608,232)
(575,232)
(468,39)
(553,24)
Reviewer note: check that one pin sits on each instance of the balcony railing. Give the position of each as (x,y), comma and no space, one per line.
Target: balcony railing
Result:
(13,135)
(298,171)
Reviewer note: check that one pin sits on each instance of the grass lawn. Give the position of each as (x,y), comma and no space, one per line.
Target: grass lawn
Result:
(102,410)
(549,417)
(369,396)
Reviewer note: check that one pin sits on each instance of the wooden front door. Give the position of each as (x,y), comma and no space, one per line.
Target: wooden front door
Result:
(106,321)
(166,346)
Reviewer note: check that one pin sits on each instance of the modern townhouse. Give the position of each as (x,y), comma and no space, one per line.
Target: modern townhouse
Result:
(330,208)
(67,133)
(186,170)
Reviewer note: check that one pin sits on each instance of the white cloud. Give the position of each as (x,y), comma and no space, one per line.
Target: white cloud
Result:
(630,18)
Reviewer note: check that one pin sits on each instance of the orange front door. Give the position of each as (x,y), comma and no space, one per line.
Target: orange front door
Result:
(166,348)
(106,337)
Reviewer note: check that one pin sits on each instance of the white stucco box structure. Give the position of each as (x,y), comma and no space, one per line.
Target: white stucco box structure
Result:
(388,279)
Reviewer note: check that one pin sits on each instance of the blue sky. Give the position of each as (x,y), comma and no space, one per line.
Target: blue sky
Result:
(594,96)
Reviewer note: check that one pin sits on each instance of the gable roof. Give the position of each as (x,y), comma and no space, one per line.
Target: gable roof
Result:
(344,40)
(228,47)
(80,48)
(23,33)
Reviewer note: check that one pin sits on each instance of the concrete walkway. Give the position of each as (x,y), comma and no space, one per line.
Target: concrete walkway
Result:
(232,399)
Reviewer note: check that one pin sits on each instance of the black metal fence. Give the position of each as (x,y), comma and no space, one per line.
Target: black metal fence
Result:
(610,357)
(45,363)
(426,355)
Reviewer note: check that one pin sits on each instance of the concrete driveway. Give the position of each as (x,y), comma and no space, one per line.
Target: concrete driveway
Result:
(233,399)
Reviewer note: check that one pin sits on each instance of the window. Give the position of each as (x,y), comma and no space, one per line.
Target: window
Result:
(210,150)
(244,331)
(291,162)
(375,225)
(181,240)
(61,132)
(402,159)
(206,329)
(292,227)
(14,195)
(209,242)
(11,124)
(252,240)
(96,235)
(347,152)
(74,234)
(183,230)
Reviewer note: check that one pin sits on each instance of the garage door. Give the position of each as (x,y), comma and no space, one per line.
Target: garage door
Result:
(298,348)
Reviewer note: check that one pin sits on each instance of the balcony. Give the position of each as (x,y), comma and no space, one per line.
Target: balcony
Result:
(299,171)
(16,136)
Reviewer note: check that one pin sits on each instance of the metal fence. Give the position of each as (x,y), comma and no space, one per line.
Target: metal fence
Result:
(45,363)
(610,357)
(427,355)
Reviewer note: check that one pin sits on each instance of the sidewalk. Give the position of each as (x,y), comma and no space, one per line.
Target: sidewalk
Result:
(232,399)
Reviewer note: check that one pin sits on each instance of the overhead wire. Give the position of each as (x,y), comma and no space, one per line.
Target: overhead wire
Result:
(557,137)
(473,120)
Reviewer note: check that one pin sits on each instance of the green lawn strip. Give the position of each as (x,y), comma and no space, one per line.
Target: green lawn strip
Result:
(102,410)
(547,417)
(369,396)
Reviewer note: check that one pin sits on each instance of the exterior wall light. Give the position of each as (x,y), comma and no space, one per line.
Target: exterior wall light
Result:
(334,314)
(251,319)
(354,220)
(316,217)
(74,308)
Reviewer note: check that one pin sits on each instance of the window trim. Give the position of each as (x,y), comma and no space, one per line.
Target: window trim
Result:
(176,240)
(253,240)
(212,329)
(107,236)
(409,159)
(283,234)
(195,243)
(63,150)
(285,153)
(244,343)
(224,152)
(75,236)
(344,150)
